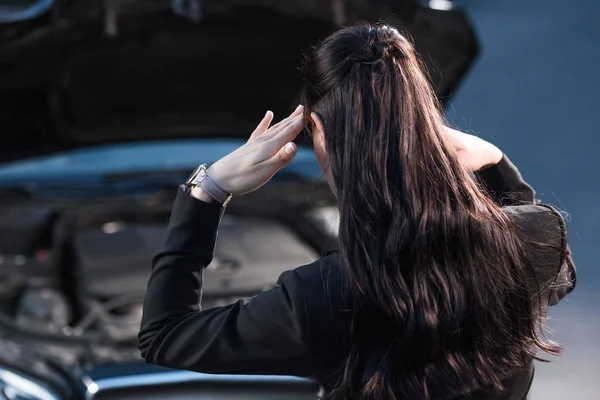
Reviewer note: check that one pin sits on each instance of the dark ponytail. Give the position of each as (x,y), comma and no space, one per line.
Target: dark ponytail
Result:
(434,270)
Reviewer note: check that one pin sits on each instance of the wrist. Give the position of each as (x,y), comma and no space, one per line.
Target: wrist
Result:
(217,179)
(201,186)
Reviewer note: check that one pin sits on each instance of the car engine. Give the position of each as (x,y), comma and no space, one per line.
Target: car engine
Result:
(114,262)
(77,270)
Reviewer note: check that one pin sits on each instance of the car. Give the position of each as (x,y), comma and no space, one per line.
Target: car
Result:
(105,108)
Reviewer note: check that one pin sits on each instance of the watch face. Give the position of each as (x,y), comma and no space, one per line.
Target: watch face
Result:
(195,174)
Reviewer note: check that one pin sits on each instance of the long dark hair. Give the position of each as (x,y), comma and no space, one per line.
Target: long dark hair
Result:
(435,272)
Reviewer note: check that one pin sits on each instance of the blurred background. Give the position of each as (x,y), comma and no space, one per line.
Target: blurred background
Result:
(107,105)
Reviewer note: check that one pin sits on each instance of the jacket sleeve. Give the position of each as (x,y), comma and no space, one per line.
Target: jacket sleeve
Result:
(507,187)
(262,335)
(505,184)
(566,273)
(566,279)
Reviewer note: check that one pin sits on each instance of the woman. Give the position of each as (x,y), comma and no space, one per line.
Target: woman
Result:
(446,265)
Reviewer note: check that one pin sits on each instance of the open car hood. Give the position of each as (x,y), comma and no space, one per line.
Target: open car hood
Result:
(88,72)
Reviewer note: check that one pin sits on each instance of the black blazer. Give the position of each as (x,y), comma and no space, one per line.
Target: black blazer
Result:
(297,328)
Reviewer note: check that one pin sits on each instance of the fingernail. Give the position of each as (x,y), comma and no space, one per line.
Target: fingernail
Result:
(300,107)
(290,148)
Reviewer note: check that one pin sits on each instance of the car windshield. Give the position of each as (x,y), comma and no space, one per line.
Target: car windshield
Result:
(92,166)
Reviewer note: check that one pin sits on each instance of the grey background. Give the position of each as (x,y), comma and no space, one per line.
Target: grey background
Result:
(534,92)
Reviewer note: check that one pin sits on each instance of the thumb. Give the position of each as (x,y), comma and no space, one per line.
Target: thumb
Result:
(285,154)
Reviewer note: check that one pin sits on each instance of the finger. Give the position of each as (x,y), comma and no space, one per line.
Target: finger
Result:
(285,125)
(285,121)
(262,126)
(287,133)
(285,155)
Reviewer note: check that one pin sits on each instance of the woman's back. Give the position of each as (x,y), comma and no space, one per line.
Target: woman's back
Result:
(327,317)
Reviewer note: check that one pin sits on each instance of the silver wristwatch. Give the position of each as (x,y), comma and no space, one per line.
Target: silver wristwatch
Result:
(201,179)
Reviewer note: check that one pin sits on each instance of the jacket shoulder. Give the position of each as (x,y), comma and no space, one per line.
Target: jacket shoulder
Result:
(317,269)
(320,280)
(322,291)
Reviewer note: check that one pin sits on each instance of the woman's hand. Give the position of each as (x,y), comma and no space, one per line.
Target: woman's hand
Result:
(475,153)
(266,152)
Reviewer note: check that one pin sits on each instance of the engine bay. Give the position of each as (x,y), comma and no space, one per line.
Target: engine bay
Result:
(114,264)
(73,273)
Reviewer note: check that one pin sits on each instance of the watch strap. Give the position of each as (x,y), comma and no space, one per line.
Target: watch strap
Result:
(212,188)
(201,179)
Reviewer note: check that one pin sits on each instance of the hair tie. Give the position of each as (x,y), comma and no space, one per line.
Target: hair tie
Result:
(368,62)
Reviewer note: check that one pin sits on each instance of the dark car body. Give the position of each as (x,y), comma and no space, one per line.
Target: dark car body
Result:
(105,107)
